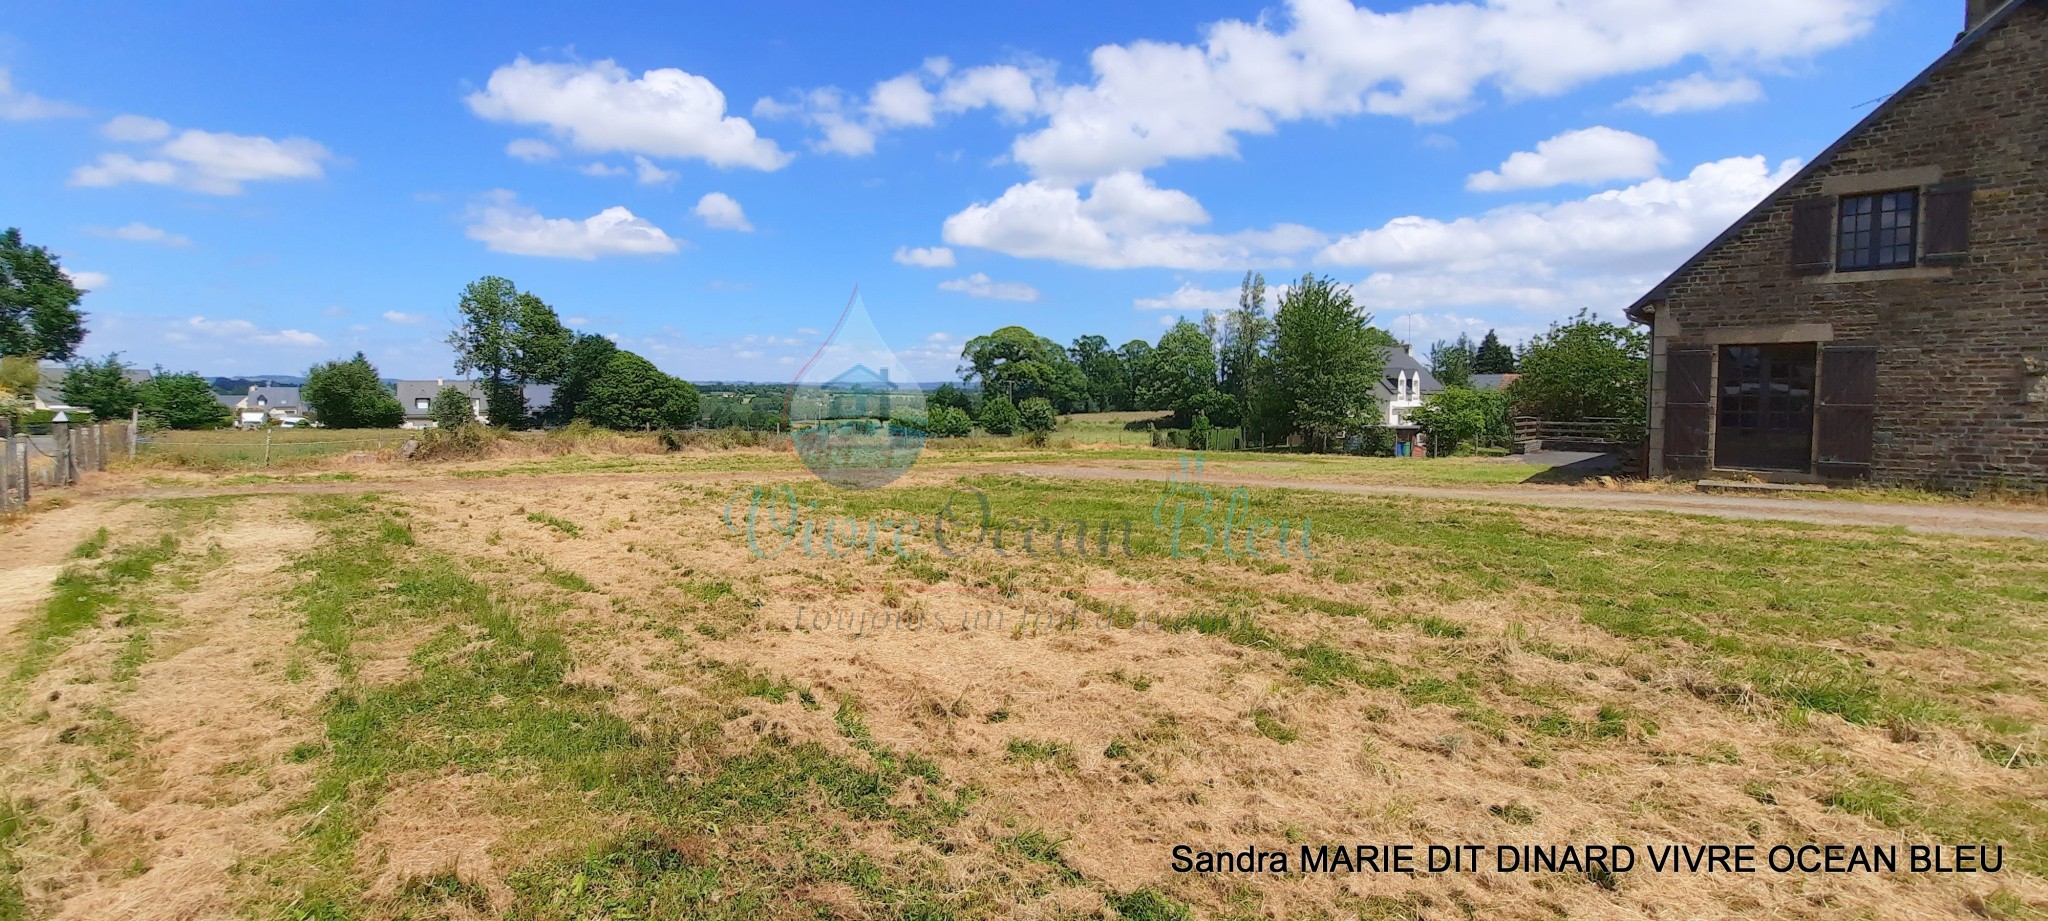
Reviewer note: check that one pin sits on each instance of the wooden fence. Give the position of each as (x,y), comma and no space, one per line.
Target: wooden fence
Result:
(1528,429)
(60,456)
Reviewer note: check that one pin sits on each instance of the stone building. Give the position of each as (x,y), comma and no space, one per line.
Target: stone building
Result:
(1884,314)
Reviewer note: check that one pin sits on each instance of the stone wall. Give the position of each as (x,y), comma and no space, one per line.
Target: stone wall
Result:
(1959,404)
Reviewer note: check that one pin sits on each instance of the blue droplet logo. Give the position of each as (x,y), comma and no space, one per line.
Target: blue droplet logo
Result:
(855,414)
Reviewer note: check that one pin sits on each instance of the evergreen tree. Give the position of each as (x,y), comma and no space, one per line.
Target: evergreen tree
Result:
(1493,357)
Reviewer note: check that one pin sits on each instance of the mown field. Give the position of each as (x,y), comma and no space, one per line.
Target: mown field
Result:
(579,687)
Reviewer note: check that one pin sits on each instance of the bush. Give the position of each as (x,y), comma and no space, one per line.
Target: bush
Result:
(948,422)
(458,442)
(1461,418)
(1037,416)
(1376,441)
(1200,433)
(999,416)
(452,409)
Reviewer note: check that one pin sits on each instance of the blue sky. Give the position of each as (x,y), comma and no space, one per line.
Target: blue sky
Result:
(254,188)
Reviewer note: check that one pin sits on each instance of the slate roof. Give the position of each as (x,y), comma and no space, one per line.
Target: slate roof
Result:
(1400,360)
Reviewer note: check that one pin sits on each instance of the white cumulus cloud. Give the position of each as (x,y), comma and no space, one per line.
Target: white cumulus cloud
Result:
(87,281)
(1123,222)
(717,209)
(402,318)
(850,125)
(924,257)
(1602,251)
(647,172)
(600,107)
(982,286)
(1695,93)
(1150,102)
(504,225)
(212,162)
(1587,156)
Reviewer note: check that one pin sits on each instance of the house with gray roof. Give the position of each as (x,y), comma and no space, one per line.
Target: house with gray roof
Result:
(417,399)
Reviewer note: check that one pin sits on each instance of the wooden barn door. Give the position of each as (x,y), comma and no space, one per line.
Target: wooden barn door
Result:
(1688,396)
(1848,410)
(1765,413)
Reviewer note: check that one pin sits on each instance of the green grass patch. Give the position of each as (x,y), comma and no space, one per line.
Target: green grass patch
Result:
(83,593)
(566,527)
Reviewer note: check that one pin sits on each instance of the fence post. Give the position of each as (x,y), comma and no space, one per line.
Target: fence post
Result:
(23,447)
(6,470)
(134,423)
(266,447)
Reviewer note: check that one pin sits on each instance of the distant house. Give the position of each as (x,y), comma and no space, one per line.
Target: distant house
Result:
(417,399)
(1492,381)
(1884,314)
(263,405)
(1402,389)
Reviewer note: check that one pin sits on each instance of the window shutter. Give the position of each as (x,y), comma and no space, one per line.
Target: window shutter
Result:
(1948,221)
(1848,410)
(1688,390)
(1813,236)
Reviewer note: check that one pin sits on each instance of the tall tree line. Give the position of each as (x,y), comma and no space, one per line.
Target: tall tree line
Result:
(1311,366)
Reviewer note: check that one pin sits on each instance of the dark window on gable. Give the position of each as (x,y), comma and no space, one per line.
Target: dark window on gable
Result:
(1877,231)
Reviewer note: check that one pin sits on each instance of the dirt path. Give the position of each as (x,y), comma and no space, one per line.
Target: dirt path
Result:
(1962,520)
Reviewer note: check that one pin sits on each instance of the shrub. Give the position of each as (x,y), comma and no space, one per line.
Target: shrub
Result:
(458,442)
(948,422)
(631,393)
(452,409)
(1200,432)
(348,395)
(999,416)
(1037,416)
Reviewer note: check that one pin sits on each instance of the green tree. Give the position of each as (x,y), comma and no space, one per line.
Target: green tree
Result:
(1180,374)
(1585,368)
(1037,415)
(1247,333)
(631,393)
(1102,369)
(350,395)
(508,338)
(39,315)
(948,422)
(1022,364)
(1462,417)
(101,386)
(587,357)
(1493,357)
(999,416)
(1451,362)
(1136,358)
(183,401)
(951,396)
(1327,360)
(452,409)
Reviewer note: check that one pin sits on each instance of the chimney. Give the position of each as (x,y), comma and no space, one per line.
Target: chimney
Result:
(1976,11)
